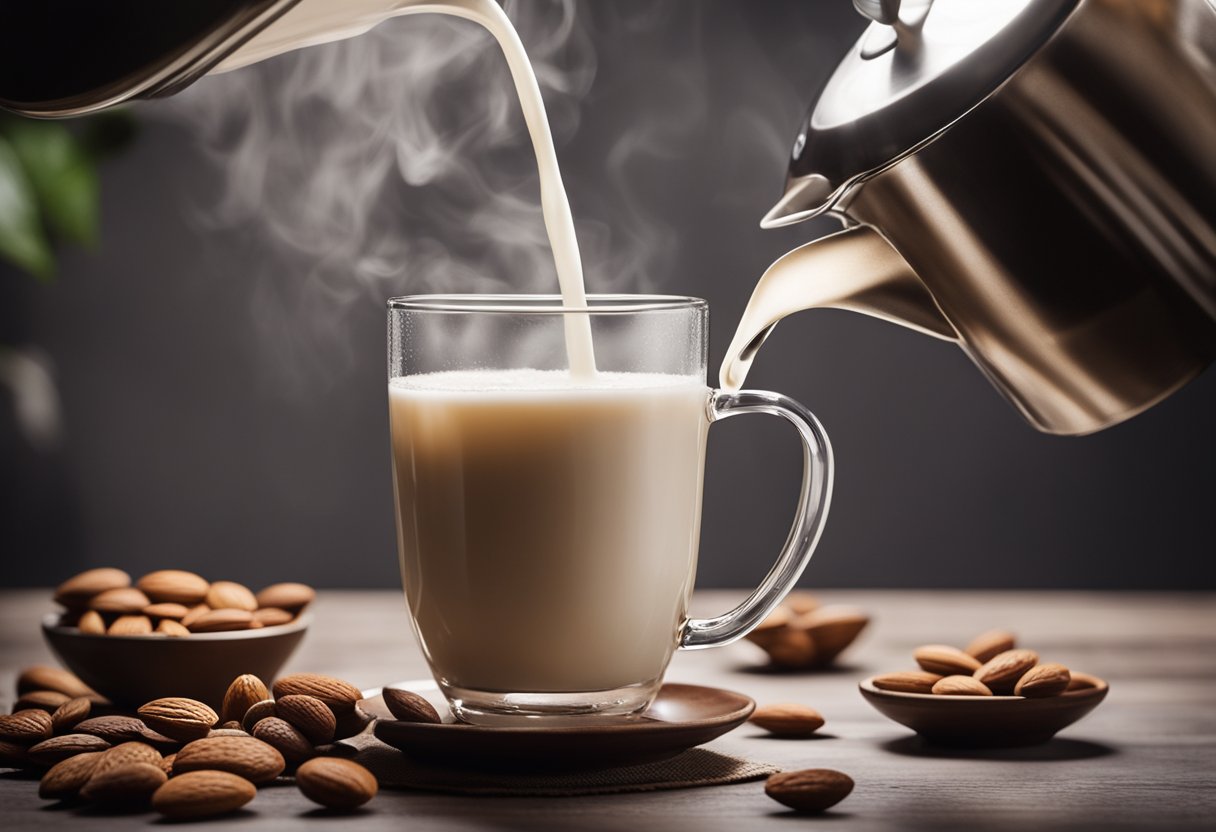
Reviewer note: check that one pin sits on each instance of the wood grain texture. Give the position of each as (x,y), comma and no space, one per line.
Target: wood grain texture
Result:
(1145,759)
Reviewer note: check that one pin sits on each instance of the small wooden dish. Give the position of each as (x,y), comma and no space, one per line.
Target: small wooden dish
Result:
(985,721)
(132,670)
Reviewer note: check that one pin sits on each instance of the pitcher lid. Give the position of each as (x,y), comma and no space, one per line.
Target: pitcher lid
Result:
(918,67)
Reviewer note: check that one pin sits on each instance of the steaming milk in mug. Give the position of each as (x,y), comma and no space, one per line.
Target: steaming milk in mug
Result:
(548,520)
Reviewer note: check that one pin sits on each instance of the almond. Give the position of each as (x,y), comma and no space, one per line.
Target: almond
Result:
(244,692)
(292,597)
(25,727)
(131,625)
(125,753)
(960,686)
(42,700)
(75,592)
(774,623)
(125,601)
(13,755)
(172,629)
(272,616)
(220,621)
(989,645)
(129,783)
(908,681)
(248,757)
(166,609)
(67,715)
(51,751)
(787,720)
(179,718)
(199,794)
(832,628)
(196,612)
(229,595)
(280,734)
(257,712)
(944,659)
(92,623)
(166,764)
(336,783)
(1043,680)
(791,648)
(115,728)
(158,740)
(310,716)
(801,602)
(408,706)
(339,695)
(810,790)
(1083,681)
(66,778)
(42,677)
(1002,671)
(228,732)
(174,586)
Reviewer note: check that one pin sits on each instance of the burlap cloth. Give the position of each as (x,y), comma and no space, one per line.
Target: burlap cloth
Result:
(693,768)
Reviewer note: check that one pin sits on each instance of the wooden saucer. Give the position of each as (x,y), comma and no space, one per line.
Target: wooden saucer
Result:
(681,717)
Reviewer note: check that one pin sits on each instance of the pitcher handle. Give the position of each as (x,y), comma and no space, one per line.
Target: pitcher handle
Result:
(812,511)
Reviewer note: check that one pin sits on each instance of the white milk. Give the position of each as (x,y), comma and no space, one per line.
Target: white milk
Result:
(548,526)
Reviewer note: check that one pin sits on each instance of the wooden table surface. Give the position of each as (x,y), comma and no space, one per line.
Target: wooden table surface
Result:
(1145,759)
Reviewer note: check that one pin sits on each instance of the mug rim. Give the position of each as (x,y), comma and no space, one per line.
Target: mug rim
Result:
(544,304)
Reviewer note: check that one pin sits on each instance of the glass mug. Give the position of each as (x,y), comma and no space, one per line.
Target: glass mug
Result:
(548,525)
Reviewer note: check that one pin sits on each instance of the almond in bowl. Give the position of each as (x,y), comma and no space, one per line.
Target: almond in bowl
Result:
(160,636)
(990,695)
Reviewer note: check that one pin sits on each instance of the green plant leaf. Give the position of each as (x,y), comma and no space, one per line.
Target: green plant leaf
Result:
(22,239)
(63,176)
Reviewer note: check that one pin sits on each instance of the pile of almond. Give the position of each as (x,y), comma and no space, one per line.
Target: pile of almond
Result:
(173,602)
(803,634)
(992,664)
(181,757)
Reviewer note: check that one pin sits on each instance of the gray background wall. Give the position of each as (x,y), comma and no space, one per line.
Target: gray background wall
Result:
(183,446)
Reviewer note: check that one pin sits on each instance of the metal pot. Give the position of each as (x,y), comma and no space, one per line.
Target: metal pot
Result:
(1033,179)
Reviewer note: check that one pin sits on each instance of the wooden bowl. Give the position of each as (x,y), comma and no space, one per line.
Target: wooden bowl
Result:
(132,670)
(985,721)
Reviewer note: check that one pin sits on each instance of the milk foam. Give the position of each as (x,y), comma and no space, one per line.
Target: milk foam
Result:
(524,381)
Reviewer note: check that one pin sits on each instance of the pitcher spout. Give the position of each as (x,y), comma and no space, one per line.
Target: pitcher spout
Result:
(855,269)
(805,197)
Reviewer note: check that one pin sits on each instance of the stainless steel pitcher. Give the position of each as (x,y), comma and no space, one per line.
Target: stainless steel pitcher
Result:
(67,58)
(1032,179)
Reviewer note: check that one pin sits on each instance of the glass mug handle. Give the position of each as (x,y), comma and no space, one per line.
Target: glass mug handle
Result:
(698,633)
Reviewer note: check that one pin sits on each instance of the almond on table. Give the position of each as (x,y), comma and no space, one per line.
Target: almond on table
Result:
(200,794)
(788,720)
(811,790)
